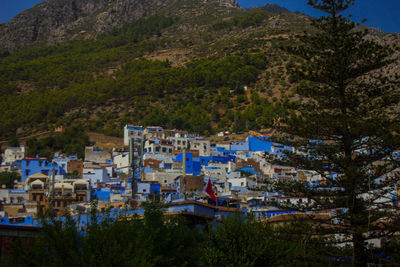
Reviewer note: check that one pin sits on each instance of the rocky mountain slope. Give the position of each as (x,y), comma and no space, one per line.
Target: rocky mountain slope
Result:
(198,65)
(55,21)
(272,8)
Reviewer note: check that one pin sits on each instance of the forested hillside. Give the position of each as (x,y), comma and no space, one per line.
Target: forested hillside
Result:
(189,67)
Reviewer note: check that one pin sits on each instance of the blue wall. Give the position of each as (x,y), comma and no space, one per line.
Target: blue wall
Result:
(38,165)
(193,165)
(261,143)
(155,189)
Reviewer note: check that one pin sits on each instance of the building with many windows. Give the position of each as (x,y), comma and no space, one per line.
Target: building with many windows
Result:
(133,132)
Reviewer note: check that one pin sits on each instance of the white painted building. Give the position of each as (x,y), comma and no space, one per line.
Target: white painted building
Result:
(95,175)
(153,132)
(12,154)
(179,139)
(122,162)
(201,145)
(163,178)
(14,196)
(159,146)
(246,182)
(218,170)
(133,132)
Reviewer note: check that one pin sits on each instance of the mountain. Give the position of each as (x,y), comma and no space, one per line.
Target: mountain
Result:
(271,8)
(198,65)
(55,21)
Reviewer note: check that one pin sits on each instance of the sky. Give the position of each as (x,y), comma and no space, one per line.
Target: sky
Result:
(382,14)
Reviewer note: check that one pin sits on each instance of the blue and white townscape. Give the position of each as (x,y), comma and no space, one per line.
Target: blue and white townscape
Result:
(170,165)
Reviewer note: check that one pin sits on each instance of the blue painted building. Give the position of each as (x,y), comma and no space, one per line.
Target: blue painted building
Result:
(217,159)
(193,165)
(33,165)
(62,161)
(260,143)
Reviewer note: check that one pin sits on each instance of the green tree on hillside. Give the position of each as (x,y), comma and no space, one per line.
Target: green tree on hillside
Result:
(8,179)
(72,142)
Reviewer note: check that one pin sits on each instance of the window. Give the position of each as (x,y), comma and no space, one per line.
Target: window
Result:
(41,197)
(164,149)
(165,181)
(26,172)
(34,197)
(144,190)
(170,150)
(157,149)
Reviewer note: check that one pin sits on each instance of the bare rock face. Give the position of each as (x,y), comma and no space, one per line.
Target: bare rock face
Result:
(228,3)
(55,21)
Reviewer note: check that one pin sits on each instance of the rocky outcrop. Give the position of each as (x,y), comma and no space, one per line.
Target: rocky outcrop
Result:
(228,3)
(272,8)
(54,21)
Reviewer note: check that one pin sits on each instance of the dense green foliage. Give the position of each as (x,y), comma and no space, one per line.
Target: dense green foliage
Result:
(243,20)
(8,178)
(159,241)
(66,84)
(59,78)
(72,141)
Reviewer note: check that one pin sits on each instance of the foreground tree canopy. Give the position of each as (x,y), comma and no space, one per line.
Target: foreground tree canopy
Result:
(155,240)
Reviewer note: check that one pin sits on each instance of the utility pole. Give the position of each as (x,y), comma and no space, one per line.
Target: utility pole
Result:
(133,167)
(184,174)
(52,193)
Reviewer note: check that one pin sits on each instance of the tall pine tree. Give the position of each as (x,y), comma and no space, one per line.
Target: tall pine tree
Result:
(346,128)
